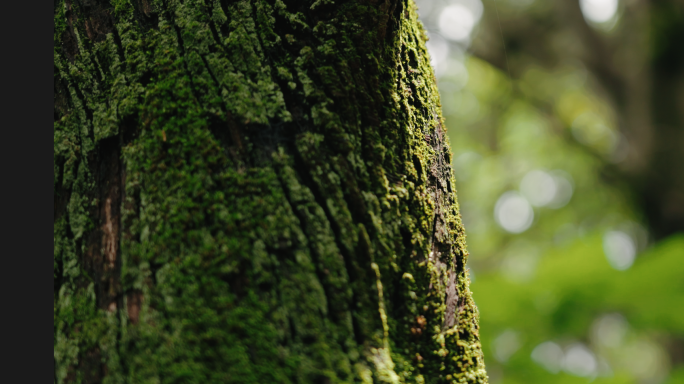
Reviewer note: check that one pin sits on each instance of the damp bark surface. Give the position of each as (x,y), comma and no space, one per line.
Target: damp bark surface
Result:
(254,192)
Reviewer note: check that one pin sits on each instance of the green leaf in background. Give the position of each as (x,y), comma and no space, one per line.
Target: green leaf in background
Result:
(576,299)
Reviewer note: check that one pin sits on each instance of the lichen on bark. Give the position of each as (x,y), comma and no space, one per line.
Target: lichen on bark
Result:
(254,191)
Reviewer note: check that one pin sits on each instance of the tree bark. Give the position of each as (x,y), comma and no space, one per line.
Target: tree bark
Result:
(253,192)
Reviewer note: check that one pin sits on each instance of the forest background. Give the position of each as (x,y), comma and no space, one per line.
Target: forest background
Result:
(565,120)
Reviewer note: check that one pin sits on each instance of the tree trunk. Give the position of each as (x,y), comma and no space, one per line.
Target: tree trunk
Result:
(254,192)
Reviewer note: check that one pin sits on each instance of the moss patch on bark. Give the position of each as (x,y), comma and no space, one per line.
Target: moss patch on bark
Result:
(277,180)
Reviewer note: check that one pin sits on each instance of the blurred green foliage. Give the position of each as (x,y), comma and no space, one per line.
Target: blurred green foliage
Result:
(551,281)
(498,135)
(573,288)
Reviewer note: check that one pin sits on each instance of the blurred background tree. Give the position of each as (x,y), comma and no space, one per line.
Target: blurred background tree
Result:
(566,120)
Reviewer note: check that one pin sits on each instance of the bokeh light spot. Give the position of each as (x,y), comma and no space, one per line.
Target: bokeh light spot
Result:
(549,355)
(646,360)
(610,330)
(620,249)
(564,189)
(438,49)
(513,213)
(538,187)
(456,22)
(580,361)
(505,345)
(598,11)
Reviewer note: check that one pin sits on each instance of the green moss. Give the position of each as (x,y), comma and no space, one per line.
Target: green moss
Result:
(287,212)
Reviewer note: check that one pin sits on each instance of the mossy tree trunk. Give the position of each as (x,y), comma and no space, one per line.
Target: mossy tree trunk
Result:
(254,192)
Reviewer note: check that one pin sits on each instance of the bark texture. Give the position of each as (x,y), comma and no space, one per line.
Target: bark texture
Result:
(254,191)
